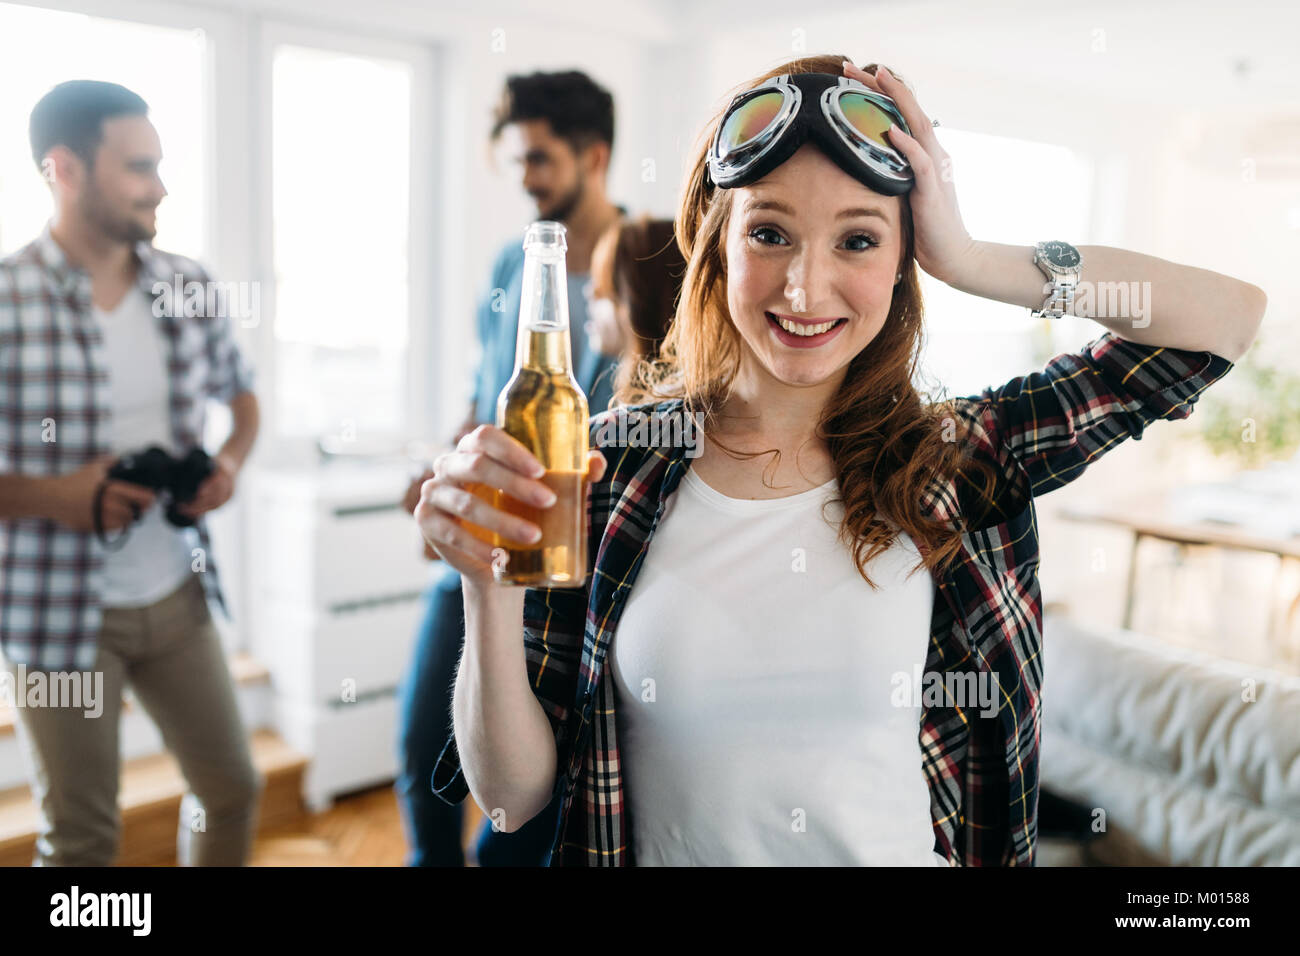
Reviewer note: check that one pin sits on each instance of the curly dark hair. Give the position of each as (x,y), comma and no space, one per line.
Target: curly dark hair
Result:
(580,111)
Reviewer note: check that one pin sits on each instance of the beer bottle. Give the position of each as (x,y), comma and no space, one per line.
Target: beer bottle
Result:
(543,407)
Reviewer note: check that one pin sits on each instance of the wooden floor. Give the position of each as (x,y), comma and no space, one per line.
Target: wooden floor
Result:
(361,829)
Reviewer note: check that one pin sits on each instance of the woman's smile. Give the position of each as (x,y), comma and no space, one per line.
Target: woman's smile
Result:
(801,333)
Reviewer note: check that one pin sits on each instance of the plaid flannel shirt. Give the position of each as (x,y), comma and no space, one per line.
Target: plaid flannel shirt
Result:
(1037,432)
(54,384)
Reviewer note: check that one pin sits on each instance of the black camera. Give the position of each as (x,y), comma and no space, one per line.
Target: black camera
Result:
(176,479)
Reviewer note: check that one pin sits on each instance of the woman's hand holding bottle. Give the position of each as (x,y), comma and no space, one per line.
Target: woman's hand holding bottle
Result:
(459,524)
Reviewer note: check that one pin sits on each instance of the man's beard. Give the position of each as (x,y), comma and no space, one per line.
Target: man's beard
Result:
(564,209)
(115,227)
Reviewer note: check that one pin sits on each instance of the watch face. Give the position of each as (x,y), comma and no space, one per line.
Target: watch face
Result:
(1061,254)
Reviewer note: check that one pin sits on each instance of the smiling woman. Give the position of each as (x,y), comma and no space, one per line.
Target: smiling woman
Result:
(803,331)
(821,311)
(814,279)
(723,691)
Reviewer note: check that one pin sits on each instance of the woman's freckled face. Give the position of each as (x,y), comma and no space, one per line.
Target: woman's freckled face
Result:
(808,262)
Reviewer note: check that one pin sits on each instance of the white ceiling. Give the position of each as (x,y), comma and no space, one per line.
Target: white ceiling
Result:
(1155,51)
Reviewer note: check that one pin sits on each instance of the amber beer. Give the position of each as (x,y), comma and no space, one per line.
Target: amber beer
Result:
(543,407)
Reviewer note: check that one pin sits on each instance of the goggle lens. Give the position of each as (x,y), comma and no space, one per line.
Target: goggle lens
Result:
(867,118)
(749,120)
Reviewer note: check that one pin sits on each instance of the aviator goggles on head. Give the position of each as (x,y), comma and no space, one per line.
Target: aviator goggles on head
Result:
(764,126)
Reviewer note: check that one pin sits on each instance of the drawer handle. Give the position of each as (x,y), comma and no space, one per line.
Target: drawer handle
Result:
(351,511)
(365,604)
(365,698)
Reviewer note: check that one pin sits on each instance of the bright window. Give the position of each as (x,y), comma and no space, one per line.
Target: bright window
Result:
(340,198)
(1009,191)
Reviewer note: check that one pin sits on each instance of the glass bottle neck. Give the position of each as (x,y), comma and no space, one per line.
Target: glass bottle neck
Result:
(543,342)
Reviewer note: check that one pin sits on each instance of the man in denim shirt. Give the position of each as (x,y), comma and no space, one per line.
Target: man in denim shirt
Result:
(559,129)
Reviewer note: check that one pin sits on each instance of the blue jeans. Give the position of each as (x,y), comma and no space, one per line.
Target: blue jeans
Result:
(433,827)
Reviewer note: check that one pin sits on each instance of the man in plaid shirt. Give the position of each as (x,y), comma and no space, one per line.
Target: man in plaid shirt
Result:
(100,359)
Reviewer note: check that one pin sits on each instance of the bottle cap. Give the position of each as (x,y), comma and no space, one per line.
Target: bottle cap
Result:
(545,235)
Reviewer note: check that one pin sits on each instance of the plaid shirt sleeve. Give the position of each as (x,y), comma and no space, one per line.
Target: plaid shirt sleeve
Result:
(1056,422)
(229,370)
(553,635)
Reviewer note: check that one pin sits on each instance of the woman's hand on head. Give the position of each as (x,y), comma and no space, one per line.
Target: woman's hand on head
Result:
(942,246)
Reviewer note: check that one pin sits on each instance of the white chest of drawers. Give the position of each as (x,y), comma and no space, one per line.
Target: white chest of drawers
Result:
(335,583)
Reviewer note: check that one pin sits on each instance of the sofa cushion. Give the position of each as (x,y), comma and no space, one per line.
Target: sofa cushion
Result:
(1161,738)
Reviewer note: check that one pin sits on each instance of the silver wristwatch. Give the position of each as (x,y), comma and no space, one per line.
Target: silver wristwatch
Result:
(1061,264)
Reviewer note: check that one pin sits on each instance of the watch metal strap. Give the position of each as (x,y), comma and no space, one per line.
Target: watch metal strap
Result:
(1059,300)
(1061,297)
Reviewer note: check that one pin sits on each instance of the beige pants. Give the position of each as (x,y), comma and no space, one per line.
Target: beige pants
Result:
(170,653)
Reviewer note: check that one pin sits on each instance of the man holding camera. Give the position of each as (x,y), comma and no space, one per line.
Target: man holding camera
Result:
(96,574)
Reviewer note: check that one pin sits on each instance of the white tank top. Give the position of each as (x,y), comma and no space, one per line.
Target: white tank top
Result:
(754,677)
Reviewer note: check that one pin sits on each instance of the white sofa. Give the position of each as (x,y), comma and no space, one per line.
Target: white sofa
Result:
(1160,738)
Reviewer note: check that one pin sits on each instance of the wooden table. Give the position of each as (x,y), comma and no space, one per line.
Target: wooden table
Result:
(1149,521)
